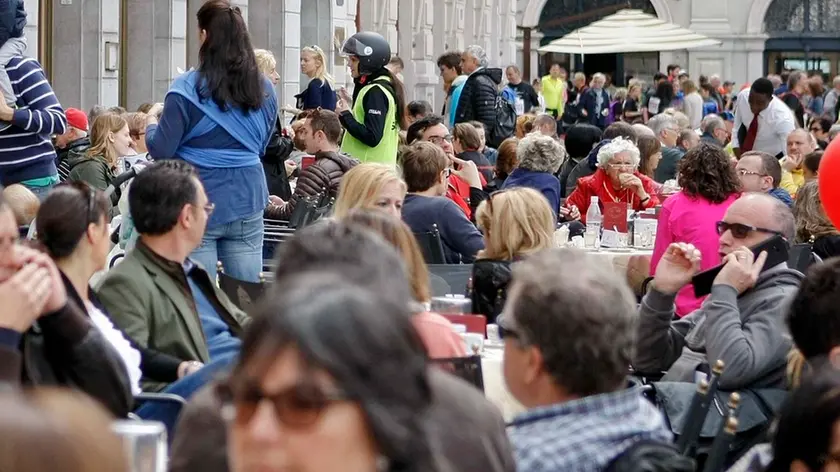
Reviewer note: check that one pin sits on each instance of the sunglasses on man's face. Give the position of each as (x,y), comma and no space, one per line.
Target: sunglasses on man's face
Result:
(299,406)
(741,231)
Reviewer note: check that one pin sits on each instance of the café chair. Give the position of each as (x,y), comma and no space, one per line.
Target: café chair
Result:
(698,410)
(243,294)
(474,323)
(431,246)
(467,368)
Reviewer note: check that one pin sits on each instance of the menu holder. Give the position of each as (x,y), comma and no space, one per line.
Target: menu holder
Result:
(615,225)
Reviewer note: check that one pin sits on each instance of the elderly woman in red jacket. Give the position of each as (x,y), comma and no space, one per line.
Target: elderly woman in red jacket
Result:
(617,180)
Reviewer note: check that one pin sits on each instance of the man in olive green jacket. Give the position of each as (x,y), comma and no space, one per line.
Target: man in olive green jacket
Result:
(158,297)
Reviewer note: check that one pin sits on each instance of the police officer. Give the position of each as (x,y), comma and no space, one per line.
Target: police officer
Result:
(373,123)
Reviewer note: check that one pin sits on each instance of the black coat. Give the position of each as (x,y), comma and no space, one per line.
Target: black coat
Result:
(490,279)
(478,98)
(273,160)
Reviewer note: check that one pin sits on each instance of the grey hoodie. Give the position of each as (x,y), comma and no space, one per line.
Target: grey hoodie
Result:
(747,332)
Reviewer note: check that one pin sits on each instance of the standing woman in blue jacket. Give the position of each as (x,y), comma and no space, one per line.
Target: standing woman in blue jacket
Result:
(219,118)
(320,92)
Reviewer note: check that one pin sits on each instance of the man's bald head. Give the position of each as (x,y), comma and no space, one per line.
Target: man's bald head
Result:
(643,130)
(759,210)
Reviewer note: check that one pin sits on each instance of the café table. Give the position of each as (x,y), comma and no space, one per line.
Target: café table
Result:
(631,263)
(494,383)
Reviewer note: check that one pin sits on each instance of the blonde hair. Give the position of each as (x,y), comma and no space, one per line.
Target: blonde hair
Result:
(515,223)
(23,203)
(321,61)
(103,125)
(361,185)
(59,431)
(265,61)
(811,221)
(620,94)
(398,234)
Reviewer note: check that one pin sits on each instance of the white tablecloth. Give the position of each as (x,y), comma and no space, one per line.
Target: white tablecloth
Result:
(633,265)
(494,384)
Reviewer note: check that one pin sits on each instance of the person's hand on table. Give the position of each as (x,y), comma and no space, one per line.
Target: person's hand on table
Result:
(678,265)
(571,213)
(741,269)
(466,170)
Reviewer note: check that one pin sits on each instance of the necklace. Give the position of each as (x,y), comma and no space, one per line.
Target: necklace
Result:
(614,199)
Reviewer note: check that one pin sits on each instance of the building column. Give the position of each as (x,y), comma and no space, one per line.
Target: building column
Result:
(157,35)
(33,15)
(507,31)
(275,26)
(381,16)
(423,60)
(81,32)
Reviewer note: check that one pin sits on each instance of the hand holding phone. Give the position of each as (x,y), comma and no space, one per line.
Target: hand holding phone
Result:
(741,269)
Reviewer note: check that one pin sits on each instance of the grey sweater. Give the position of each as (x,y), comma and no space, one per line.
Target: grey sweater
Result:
(746,332)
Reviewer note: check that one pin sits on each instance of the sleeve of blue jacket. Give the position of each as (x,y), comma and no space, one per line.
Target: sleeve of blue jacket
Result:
(460,234)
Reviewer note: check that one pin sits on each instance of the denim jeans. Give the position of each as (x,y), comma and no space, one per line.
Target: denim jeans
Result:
(167,412)
(238,245)
(40,192)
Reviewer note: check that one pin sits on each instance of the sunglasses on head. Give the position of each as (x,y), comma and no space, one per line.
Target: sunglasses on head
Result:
(741,231)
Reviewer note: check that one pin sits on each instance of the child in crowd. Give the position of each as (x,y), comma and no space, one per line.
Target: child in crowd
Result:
(710,105)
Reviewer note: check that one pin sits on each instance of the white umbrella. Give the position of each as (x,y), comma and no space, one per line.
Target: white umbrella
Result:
(628,31)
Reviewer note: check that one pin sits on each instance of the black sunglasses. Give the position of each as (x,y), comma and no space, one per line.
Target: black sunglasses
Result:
(298,406)
(741,231)
(507,331)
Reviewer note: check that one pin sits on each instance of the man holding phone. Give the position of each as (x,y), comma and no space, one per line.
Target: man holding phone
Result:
(742,321)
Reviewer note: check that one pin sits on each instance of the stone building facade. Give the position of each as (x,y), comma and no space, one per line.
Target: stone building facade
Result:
(127,52)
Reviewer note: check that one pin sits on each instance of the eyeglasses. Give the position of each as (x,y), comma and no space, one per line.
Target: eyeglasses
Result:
(440,139)
(209,208)
(745,172)
(741,231)
(447,172)
(621,165)
(299,406)
(506,329)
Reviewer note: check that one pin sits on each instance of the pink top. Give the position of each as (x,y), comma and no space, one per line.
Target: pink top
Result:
(437,334)
(685,219)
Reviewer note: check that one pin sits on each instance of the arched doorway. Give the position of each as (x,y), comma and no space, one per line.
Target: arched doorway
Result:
(802,34)
(316,29)
(559,17)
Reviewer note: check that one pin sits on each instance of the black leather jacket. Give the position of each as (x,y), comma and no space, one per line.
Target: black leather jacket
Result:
(490,279)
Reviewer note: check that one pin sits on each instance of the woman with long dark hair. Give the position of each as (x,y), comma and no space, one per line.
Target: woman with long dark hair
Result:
(375,116)
(219,118)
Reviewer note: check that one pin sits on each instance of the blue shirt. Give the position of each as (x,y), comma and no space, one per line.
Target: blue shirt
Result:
(237,192)
(461,239)
(543,182)
(317,94)
(586,434)
(221,343)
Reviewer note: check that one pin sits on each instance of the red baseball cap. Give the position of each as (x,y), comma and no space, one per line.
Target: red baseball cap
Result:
(76,118)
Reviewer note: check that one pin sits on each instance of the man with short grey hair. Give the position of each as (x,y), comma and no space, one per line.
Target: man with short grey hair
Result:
(667,131)
(714,130)
(569,334)
(741,322)
(830,104)
(478,96)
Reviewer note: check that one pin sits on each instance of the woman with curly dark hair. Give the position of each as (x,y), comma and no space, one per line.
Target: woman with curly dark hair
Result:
(709,186)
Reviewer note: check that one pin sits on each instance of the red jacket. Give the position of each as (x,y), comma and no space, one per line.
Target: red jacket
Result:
(597,185)
(458,191)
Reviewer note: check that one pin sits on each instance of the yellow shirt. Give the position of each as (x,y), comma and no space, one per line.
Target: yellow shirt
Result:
(554,91)
(792,180)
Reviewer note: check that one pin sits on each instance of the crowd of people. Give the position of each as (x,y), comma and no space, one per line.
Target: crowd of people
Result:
(334,368)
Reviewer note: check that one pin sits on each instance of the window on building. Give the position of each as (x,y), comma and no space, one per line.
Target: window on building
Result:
(803,16)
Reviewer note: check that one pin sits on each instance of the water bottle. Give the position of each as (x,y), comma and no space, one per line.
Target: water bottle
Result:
(594,220)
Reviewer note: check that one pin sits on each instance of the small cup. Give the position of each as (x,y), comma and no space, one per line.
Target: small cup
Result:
(474,342)
(493,334)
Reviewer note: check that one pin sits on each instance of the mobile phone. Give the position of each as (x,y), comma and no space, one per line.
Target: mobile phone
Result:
(777,252)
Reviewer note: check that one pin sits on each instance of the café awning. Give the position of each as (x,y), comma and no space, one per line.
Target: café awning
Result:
(628,31)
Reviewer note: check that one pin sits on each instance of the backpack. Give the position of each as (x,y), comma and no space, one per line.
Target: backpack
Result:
(505,124)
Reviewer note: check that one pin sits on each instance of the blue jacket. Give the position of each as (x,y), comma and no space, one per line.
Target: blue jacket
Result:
(461,239)
(317,94)
(543,182)
(224,147)
(588,101)
(782,195)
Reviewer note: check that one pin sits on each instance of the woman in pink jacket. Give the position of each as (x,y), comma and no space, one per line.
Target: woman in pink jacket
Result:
(709,185)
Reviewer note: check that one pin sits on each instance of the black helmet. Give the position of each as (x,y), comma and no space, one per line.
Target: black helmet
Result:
(371,49)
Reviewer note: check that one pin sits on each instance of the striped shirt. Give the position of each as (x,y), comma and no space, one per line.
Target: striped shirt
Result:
(26,150)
